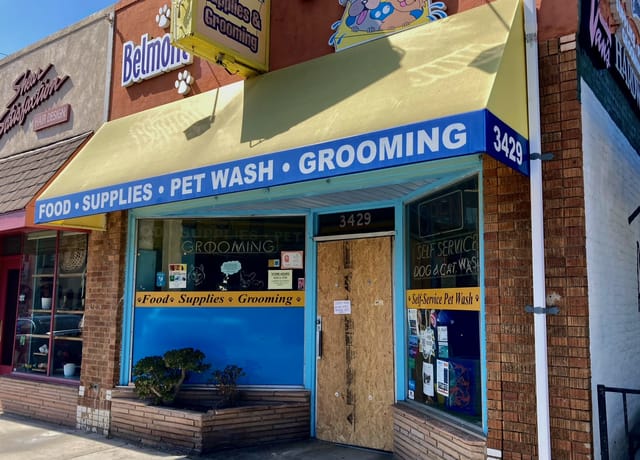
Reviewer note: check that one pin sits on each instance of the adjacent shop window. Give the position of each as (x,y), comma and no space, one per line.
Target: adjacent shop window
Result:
(48,338)
(443,301)
(231,287)
(10,245)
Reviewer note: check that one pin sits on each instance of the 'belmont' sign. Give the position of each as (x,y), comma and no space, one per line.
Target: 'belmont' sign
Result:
(31,88)
(152,57)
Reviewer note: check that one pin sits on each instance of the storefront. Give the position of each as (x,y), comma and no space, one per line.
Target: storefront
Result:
(53,104)
(320,225)
(609,83)
(356,227)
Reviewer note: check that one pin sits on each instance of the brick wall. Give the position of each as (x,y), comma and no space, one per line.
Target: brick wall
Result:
(565,253)
(508,289)
(103,322)
(510,345)
(55,403)
(263,417)
(60,403)
(418,436)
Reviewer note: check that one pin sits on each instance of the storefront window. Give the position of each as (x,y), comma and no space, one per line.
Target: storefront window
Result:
(232,287)
(443,301)
(51,304)
(243,254)
(10,245)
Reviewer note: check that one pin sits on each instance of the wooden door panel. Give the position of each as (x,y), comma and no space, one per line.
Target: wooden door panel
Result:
(355,374)
(333,409)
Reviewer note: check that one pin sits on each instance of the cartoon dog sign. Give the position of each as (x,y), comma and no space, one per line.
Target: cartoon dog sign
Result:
(365,20)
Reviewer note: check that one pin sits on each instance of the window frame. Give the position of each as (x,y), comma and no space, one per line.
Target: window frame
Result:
(474,417)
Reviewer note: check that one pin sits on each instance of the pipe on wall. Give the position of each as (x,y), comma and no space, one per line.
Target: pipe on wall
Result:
(107,95)
(537,232)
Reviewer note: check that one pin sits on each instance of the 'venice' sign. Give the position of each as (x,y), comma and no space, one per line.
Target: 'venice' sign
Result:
(31,88)
(611,27)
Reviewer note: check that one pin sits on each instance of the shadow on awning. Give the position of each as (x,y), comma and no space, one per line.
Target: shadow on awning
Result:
(472,63)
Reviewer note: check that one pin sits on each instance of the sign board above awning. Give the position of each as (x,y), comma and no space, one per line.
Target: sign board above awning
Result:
(234,34)
(451,88)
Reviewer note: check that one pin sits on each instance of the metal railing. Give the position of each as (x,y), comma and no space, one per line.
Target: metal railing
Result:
(632,434)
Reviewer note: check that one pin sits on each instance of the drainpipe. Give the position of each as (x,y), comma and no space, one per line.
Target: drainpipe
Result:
(537,232)
(107,93)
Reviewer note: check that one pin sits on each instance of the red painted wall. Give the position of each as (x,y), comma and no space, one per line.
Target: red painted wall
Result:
(300,30)
(557,18)
(133,19)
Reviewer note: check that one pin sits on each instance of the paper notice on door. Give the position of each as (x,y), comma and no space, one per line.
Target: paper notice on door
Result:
(341,307)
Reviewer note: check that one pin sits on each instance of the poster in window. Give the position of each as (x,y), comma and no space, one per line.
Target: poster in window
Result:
(280,279)
(292,260)
(177,276)
(412,315)
(427,343)
(427,379)
(443,377)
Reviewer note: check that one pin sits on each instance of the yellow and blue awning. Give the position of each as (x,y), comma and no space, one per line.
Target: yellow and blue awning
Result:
(450,88)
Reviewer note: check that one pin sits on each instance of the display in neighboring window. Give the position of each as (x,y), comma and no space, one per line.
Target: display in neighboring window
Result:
(443,301)
(48,338)
(10,245)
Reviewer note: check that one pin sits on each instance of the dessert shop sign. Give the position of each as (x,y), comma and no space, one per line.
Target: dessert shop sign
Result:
(31,89)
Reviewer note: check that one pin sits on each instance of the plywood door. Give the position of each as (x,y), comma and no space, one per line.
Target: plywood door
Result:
(355,374)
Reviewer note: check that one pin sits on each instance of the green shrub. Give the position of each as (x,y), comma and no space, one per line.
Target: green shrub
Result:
(226,381)
(159,378)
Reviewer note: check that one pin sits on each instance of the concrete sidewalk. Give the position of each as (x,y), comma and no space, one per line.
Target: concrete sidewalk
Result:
(22,438)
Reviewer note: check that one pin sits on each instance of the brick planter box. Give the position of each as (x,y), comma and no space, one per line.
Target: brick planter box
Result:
(419,435)
(262,417)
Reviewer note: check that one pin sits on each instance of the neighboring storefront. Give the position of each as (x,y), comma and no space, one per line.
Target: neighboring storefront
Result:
(610,97)
(53,102)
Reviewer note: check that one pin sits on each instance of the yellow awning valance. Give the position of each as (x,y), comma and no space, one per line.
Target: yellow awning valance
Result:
(453,87)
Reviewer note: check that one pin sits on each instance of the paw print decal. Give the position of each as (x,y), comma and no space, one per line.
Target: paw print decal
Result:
(184,82)
(163,16)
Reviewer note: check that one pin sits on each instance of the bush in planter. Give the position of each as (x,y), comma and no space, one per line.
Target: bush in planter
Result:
(226,381)
(159,378)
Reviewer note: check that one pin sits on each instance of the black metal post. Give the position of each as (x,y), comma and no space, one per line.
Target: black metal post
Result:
(602,418)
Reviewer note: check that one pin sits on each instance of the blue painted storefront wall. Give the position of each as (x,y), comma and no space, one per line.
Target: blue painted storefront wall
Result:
(278,347)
